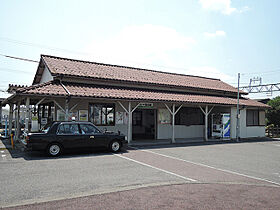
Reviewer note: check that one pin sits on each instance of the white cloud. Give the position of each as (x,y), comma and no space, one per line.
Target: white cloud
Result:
(152,47)
(223,6)
(212,72)
(140,43)
(215,34)
(244,9)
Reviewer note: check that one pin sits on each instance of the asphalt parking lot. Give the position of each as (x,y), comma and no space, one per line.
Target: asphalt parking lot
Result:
(197,170)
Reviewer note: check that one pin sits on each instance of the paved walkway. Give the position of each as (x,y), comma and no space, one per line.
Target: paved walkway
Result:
(181,196)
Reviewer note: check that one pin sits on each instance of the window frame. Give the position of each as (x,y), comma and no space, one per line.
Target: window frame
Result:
(68,134)
(178,117)
(87,124)
(258,119)
(103,105)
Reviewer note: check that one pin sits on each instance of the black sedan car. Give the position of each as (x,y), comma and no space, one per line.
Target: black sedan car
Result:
(73,135)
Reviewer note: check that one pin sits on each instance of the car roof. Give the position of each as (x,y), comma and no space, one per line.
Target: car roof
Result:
(72,122)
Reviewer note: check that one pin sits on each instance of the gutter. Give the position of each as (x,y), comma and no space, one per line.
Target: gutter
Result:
(67,91)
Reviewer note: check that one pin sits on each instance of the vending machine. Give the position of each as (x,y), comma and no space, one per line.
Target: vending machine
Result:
(221,125)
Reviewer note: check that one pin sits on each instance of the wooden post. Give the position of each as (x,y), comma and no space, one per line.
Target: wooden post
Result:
(173,123)
(11,112)
(129,129)
(129,111)
(206,123)
(1,114)
(66,110)
(206,113)
(173,113)
(27,115)
(18,125)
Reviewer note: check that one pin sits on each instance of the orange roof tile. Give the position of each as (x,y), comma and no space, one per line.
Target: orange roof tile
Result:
(86,69)
(54,88)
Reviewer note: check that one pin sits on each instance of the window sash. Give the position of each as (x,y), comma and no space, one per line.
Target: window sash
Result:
(102,114)
(189,116)
(252,118)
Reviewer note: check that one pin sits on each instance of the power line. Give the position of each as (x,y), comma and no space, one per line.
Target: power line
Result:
(40,46)
(14,41)
(15,70)
(19,58)
(84,53)
(261,73)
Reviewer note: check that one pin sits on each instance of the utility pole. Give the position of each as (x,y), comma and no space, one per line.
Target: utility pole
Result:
(237,112)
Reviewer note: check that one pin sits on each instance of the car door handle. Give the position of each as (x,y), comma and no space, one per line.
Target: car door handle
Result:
(92,137)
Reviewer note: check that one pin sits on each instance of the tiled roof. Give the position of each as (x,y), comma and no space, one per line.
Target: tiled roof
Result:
(13,87)
(54,88)
(85,69)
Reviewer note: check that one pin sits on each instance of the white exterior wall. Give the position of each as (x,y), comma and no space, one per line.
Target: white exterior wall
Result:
(84,105)
(46,76)
(163,131)
(245,131)
(181,131)
(256,131)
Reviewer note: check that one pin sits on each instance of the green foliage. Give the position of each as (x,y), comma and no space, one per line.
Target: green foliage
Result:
(273,114)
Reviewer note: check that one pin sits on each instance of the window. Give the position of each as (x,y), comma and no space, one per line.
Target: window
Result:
(189,116)
(68,129)
(252,117)
(88,129)
(102,114)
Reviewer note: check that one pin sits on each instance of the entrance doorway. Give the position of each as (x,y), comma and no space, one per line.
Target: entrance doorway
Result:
(144,124)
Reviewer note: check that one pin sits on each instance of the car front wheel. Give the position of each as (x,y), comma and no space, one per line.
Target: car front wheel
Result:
(115,146)
(54,149)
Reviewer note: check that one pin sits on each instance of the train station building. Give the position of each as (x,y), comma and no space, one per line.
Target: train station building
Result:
(139,103)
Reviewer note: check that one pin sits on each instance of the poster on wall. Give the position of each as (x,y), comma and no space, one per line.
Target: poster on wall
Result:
(164,116)
(60,115)
(119,118)
(83,115)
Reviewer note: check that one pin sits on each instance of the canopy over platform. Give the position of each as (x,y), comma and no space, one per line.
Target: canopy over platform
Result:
(75,90)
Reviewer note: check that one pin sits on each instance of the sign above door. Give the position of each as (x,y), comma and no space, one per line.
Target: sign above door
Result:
(145,105)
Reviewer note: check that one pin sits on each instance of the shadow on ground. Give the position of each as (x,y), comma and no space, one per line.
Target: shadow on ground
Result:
(19,151)
(212,142)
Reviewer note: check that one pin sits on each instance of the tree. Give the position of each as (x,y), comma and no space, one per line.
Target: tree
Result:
(273,114)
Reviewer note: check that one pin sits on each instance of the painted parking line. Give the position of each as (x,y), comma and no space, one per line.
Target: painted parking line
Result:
(215,168)
(200,173)
(3,157)
(159,169)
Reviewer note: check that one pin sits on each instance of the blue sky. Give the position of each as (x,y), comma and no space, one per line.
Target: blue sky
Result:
(212,38)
